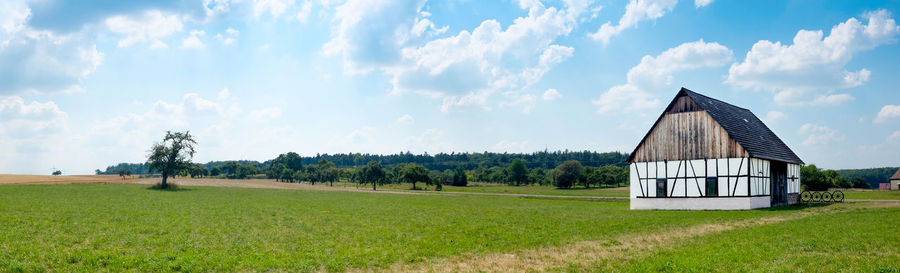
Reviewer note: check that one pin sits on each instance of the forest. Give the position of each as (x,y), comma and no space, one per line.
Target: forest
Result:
(594,169)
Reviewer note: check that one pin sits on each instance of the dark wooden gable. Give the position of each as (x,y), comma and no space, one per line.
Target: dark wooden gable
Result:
(695,126)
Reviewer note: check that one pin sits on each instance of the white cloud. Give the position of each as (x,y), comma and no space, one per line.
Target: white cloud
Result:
(702,3)
(193,40)
(774,116)
(887,112)
(274,7)
(22,120)
(305,9)
(39,60)
(812,62)
(229,37)
(635,12)
(405,119)
(817,134)
(265,114)
(150,26)
(832,99)
(551,94)
(526,102)
(466,69)
(654,74)
(894,137)
(369,34)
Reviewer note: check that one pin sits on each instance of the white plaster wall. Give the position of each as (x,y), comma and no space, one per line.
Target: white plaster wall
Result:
(793,170)
(721,203)
(696,187)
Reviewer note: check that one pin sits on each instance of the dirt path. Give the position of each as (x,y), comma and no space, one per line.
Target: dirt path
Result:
(594,253)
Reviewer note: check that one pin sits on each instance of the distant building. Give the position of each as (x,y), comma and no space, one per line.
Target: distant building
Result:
(884,186)
(706,154)
(895,181)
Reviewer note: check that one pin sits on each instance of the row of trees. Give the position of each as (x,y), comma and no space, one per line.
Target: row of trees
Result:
(816,179)
(439,162)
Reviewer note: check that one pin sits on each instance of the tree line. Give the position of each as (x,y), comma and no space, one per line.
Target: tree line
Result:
(439,162)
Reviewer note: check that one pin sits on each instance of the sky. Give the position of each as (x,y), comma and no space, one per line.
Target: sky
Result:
(87,84)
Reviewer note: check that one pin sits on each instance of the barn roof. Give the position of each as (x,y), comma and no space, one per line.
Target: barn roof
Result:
(896,175)
(741,125)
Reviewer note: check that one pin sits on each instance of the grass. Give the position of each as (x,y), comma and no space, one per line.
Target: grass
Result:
(871,195)
(478,187)
(863,240)
(106,227)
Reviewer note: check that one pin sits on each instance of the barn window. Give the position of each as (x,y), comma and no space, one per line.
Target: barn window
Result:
(661,187)
(712,186)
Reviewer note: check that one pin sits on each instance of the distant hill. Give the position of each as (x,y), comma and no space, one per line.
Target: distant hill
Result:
(872,176)
(439,162)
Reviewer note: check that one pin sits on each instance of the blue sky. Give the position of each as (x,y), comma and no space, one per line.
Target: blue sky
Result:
(84,86)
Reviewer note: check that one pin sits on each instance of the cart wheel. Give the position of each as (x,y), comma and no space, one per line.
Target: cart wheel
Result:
(826,197)
(838,196)
(806,197)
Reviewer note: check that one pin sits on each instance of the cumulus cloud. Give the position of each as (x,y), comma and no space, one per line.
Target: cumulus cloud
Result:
(635,12)
(229,37)
(655,74)
(551,94)
(894,137)
(273,7)
(405,119)
(305,10)
(817,134)
(22,120)
(151,26)
(466,69)
(370,34)
(193,40)
(40,60)
(812,62)
(525,102)
(702,3)
(887,112)
(773,116)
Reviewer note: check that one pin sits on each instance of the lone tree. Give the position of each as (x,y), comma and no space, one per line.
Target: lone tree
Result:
(172,155)
(372,173)
(57,172)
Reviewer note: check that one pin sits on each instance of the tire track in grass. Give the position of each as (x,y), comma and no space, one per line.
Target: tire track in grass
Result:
(593,254)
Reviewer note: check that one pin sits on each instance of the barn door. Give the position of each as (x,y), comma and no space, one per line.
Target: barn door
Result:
(779,183)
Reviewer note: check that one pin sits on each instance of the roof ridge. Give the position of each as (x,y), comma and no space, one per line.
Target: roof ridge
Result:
(691,92)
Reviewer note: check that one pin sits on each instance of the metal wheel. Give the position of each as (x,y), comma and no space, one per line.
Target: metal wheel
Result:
(838,196)
(817,197)
(806,197)
(826,197)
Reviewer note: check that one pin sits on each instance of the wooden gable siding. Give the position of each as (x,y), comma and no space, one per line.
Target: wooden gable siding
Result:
(687,135)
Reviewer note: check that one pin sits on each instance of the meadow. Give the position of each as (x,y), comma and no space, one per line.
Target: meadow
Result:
(127,227)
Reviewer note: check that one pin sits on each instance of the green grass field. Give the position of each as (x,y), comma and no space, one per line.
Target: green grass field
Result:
(871,195)
(477,187)
(99,227)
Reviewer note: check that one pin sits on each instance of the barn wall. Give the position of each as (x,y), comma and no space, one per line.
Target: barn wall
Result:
(760,177)
(793,175)
(687,135)
(687,178)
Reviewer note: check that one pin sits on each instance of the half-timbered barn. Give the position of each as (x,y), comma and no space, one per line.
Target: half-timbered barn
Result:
(895,180)
(706,154)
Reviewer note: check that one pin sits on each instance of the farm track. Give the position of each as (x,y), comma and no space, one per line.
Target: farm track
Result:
(594,255)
